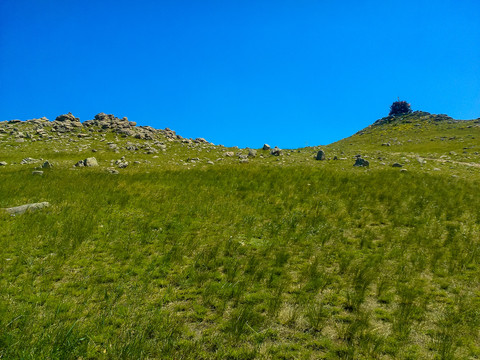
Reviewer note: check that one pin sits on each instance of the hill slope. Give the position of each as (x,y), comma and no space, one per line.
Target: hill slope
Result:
(177,248)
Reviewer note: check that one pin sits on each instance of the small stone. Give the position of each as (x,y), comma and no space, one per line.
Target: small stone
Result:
(403,170)
(229,154)
(210,162)
(3,163)
(37,172)
(397,165)
(252,153)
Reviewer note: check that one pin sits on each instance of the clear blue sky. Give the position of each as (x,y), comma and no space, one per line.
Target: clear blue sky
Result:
(288,73)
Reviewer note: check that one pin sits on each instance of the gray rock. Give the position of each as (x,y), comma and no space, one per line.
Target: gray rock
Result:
(320,155)
(266,147)
(29,160)
(47,165)
(210,162)
(91,161)
(276,151)
(252,153)
(27,207)
(112,171)
(3,163)
(397,165)
(229,154)
(121,164)
(403,170)
(67,118)
(361,162)
(37,172)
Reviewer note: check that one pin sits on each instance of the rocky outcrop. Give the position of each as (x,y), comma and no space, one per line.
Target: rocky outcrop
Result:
(66,123)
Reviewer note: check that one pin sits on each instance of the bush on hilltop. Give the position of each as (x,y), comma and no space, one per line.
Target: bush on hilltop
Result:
(399,108)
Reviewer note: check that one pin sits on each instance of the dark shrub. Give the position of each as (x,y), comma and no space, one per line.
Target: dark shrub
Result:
(400,107)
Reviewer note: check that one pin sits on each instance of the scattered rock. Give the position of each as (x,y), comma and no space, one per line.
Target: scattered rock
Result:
(320,155)
(361,162)
(252,153)
(403,170)
(29,160)
(276,151)
(229,154)
(37,172)
(91,161)
(386,144)
(122,164)
(266,147)
(47,165)
(3,163)
(27,207)
(397,165)
(210,162)
(112,171)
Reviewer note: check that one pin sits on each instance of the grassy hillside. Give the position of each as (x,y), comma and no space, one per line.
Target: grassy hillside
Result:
(191,253)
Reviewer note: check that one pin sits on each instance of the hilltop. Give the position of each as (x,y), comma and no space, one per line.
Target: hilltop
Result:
(143,244)
(433,138)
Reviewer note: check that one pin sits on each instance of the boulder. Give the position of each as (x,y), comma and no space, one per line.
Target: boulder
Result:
(361,162)
(28,160)
(67,118)
(91,161)
(252,153)
(320,155)
(266,147)
(276,151)
(47,165)
(27,207)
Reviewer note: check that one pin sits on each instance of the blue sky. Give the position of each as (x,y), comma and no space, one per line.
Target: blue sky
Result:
(288,73)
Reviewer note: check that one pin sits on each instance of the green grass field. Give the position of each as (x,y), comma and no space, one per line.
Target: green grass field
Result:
(278,258)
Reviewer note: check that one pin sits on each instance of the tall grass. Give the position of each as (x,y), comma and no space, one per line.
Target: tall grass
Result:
(240,262)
